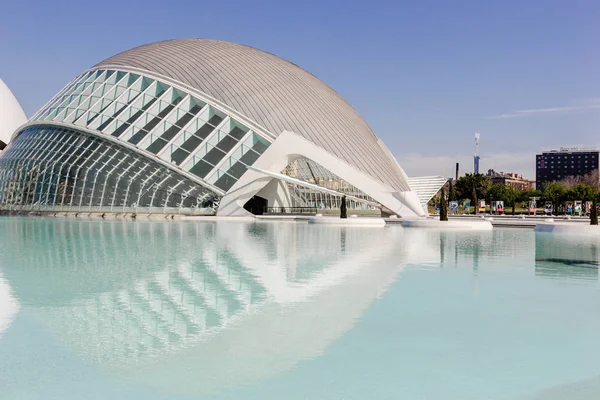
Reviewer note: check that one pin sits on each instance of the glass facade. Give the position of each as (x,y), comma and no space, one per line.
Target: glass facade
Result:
(307,170)
(60,169)
(159,120)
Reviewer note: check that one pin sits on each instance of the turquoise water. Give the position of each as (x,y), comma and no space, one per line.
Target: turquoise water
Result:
(232,310)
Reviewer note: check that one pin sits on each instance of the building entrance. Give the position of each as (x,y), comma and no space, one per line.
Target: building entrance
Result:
(256,205)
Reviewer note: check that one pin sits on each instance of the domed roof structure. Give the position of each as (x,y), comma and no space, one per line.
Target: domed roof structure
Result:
(197,126)
(271,92)
(11,114)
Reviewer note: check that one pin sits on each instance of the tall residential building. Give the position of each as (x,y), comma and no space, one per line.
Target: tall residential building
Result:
(555,165)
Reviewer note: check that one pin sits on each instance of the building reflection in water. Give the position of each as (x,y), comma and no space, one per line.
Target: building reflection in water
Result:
(567,256)
(197,306)
(474,246)
(9,306)
(204,306)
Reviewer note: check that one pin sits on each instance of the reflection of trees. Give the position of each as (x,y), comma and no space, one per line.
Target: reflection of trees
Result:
(552,255)
(482,247)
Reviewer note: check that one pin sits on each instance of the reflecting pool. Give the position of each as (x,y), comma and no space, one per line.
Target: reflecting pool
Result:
(286,310)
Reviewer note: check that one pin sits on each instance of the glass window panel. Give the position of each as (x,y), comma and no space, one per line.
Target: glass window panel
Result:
(137,135)
(178,155)
(227,143)
(225,182)
(214,156)
(156,146)
(201,169)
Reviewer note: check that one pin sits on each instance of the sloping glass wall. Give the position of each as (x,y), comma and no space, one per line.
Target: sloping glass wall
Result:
(48,168)
(309,171)
(160,120)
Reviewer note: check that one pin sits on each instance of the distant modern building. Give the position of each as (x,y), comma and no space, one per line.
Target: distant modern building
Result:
(11,115)
(555,165)
(197,126)
(512,179)
(476,157)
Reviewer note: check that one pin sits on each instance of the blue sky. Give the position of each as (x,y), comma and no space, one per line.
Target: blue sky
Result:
(424,74)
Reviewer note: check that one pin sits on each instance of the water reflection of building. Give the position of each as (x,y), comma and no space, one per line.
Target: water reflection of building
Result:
(474,246)
(151,301)
(205,306)
(567,256)
(9,307)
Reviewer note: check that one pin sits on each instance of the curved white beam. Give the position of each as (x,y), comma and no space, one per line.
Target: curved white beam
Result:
(289,146)
(309,185)
(11,113)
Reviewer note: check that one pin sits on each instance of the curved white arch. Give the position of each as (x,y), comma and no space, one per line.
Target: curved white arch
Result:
(288,146)
(11,113)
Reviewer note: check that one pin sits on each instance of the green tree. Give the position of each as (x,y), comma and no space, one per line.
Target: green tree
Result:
(523,196)
(554,192)
(443,206)
(582,192)
(497,193)
(512,197)
(479,183)
(343,208)
(506,193)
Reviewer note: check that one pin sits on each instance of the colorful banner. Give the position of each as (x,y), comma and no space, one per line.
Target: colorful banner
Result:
(454,206)
(548,207)
(588,207)
(482,205)
(499,206)
(467,205)
(578,206)
(568,207)
(532,206)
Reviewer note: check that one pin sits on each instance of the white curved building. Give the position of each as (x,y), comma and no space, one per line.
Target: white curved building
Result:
(11,115)
(200,126)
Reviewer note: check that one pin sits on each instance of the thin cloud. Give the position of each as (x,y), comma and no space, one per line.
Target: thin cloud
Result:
(553,110)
